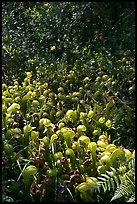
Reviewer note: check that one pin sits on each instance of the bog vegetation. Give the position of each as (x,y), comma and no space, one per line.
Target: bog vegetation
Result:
(68,102)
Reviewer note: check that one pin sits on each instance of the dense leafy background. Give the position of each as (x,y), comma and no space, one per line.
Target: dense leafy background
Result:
(61,44)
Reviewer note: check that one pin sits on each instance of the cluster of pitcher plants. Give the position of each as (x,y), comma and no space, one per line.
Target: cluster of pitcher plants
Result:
(59,137)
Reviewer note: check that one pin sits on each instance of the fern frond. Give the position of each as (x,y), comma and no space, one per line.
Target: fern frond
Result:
(122,190)
(118,194)
(108,181)
(102,178)
(126,189)
(132,198)
(112,183)
(122,185)
(130,182)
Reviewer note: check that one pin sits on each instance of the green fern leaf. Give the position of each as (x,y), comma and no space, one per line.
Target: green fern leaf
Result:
(108,185)
(116,195)
(126,188)
(116,178)
(113,169)
(106,176)
(132,198)
(121,184)
(104,185)
(112,183)
(101,178)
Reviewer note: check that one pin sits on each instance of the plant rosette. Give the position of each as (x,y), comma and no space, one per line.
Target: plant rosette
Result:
(84,141)
(106,159)
(102,144)
(128,154)
(68,135)
(96,132)
(81,129)
(118,156)
(85,186)
(110,148)
(8,148)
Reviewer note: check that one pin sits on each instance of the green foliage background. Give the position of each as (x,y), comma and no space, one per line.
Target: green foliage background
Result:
(62,44)
(30,29)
